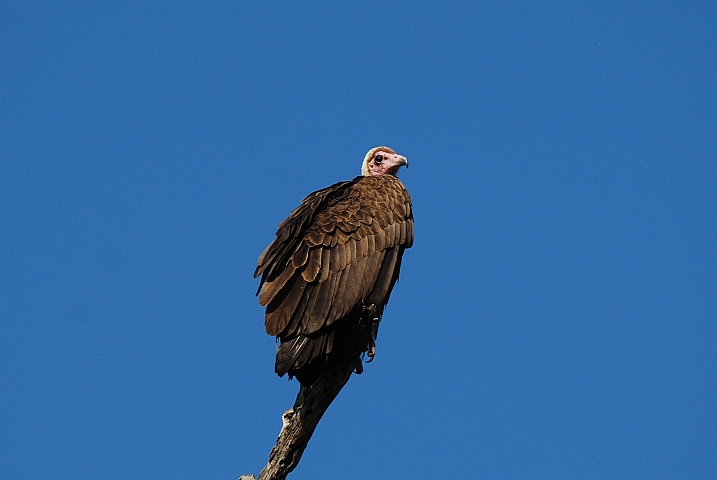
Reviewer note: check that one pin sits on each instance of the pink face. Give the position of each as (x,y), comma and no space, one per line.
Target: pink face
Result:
(385,162)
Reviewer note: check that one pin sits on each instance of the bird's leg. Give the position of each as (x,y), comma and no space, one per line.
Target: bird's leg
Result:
(369,311)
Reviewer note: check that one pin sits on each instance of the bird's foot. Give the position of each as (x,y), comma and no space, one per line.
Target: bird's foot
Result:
(371,352)
(369,311)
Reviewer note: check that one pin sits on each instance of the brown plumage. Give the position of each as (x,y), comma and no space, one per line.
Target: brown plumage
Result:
(327,276)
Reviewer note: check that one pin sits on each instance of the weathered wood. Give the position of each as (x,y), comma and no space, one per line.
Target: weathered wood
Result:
(301,420)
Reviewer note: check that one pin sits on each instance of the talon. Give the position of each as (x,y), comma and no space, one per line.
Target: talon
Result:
(371,353)
(359,366)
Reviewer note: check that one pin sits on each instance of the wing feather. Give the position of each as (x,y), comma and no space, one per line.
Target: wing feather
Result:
(342,247)
(338,261)
(325,263)
(320,310)
(300,256)
(282,307)
(305,316)
(270,289)
(371,244)
(409,233)
(373,264)
(386,278)
(351,249)
(379,238)
(362,248)
(313,265)
(340,306)
(353,287)
(315,236)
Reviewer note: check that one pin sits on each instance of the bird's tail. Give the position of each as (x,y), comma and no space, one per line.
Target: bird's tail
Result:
(304,357)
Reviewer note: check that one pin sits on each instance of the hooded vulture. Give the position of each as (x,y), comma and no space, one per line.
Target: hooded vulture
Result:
(327,276)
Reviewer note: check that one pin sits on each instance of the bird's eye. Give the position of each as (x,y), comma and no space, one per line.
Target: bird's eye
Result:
(378,159)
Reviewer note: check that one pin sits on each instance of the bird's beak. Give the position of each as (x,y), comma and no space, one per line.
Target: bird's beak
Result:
(393,162)
(398,161)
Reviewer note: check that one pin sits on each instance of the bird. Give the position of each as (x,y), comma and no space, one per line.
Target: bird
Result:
(327,276)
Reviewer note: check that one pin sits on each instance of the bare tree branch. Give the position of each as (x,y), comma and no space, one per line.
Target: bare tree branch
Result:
(301,420)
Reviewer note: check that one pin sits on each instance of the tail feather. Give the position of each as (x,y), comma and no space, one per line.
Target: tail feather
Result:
(288,354)
(303,356)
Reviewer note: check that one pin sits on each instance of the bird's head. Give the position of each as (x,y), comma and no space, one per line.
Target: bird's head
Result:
(382,160)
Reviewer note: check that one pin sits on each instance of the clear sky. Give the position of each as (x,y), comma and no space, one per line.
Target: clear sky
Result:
(556,317)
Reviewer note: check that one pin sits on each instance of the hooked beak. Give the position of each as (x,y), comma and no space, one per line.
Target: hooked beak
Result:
(398,160)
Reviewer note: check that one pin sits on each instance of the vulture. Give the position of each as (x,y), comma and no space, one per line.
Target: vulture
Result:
(327,276)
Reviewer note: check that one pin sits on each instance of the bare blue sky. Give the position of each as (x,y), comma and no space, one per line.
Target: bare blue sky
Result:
(556,317)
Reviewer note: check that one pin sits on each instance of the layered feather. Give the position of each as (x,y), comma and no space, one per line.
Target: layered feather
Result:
(341,248)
